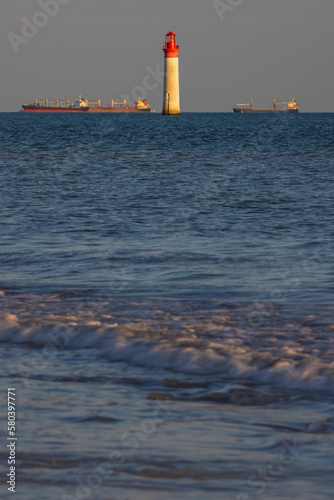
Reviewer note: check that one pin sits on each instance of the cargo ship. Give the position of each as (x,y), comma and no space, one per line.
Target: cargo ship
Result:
(288,107)
(83,106)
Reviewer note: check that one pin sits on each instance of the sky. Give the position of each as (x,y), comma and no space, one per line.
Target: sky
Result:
(231,51)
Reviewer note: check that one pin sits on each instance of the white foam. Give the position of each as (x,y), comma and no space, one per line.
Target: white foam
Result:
(196,342)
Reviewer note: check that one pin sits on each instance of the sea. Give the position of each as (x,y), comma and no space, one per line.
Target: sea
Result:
(167,312)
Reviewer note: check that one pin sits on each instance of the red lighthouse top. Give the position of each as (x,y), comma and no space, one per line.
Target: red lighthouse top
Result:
(170,48)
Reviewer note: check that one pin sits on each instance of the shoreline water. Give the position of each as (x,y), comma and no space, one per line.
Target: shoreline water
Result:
(182,264)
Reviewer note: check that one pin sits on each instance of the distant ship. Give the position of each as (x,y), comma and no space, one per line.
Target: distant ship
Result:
(83,106)
(288,107)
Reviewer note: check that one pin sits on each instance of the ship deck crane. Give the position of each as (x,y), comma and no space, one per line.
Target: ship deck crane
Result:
(250,103)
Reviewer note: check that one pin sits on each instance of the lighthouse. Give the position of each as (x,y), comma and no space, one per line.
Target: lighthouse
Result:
(171,105)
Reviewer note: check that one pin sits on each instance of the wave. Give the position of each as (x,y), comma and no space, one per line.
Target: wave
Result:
(257,343)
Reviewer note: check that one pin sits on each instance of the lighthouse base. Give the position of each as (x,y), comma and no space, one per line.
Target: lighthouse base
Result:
(169,107)
(171,112)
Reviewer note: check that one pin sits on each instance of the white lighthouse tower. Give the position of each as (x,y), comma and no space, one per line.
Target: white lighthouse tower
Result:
(171,105)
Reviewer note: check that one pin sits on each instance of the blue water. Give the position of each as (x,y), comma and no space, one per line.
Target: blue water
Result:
(185,262)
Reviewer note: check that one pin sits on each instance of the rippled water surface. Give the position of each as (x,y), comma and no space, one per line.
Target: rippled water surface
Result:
(167,310)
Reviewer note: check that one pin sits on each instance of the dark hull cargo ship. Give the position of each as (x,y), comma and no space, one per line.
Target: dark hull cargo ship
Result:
(83,106)
(288,107)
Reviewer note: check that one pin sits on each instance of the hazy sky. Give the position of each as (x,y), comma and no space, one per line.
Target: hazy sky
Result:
(101,49)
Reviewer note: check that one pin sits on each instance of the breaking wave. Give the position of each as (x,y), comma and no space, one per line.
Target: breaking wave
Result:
(257,343)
